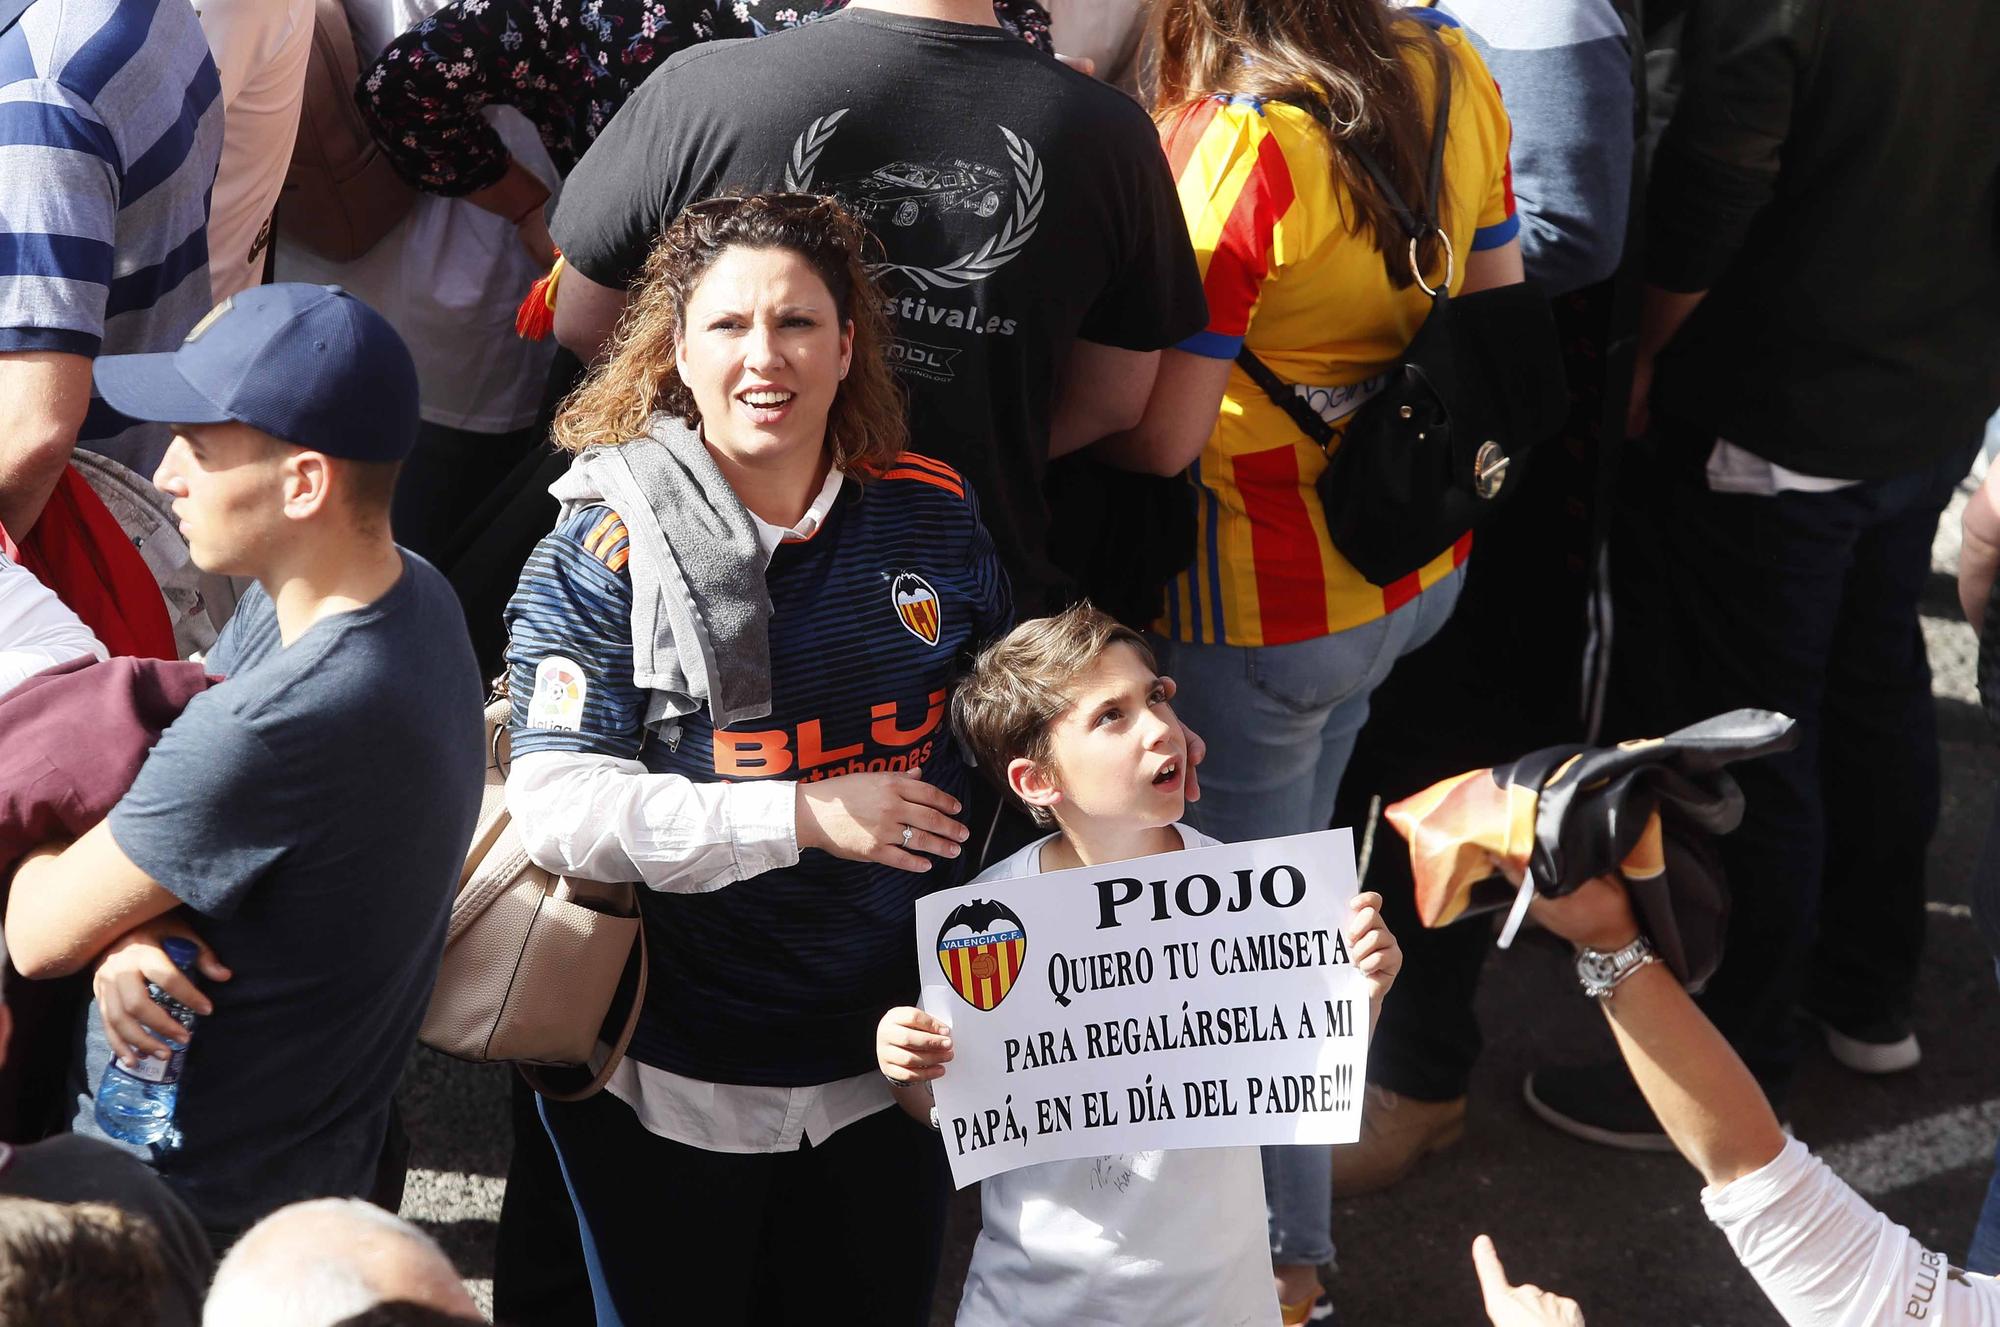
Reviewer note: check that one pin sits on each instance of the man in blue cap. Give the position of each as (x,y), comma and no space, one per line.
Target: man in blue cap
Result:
(306,820)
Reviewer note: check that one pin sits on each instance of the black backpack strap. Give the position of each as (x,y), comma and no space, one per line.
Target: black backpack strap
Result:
(1287,400)
(11,11)
(1418,228)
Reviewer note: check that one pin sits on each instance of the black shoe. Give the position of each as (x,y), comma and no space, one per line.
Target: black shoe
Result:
(1598,1103)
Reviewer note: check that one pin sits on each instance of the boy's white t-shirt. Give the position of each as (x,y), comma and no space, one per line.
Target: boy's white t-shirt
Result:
(1156,1238)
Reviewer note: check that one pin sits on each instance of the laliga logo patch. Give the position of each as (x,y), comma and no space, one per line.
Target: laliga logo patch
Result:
(560,688)
(917,605)
(981,948)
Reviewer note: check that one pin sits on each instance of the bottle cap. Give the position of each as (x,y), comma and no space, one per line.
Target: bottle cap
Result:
(183,952)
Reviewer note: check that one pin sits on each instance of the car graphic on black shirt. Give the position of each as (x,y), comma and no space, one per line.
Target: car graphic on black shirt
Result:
(899,192)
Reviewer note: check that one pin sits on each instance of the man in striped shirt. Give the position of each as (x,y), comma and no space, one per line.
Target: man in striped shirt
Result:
(110,130)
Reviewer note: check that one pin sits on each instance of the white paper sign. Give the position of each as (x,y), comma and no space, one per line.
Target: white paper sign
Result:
(1193,999)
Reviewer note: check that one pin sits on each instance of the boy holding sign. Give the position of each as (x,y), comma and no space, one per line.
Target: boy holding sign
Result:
(1069,714)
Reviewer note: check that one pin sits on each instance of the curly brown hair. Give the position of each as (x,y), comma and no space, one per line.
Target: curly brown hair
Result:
(637,378)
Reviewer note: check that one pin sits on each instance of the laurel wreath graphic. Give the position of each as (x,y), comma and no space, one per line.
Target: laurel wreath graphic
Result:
(806,150)
(967,268)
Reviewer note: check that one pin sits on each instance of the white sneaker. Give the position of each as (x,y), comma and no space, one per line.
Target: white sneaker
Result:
(1893,1056)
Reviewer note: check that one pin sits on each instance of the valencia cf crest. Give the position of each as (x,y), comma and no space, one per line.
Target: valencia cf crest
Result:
(917,604)
(981,949)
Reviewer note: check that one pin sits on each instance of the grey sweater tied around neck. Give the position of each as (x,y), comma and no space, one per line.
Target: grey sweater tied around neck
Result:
(701,612)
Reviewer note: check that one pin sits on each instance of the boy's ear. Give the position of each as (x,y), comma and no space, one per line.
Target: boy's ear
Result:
(1032,784)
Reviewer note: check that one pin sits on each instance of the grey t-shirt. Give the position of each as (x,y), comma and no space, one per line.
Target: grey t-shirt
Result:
(83,1170)
(313,811)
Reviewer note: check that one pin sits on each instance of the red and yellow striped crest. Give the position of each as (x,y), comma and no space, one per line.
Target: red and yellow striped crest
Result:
(917,605)
(982,968)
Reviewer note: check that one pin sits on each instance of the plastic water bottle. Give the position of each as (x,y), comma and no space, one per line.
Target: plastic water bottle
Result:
(136,1105)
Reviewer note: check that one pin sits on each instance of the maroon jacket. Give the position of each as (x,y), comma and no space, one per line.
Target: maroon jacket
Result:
(72,738)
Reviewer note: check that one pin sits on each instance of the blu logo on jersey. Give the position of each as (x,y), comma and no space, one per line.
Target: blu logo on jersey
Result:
(917,605)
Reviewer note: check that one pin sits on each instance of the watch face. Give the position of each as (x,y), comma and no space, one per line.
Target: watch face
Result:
(1596,967)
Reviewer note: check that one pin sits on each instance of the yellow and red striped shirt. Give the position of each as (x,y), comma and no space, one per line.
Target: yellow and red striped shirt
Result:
(1284,272)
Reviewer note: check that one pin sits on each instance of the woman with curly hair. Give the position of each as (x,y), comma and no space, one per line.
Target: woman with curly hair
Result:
(729,665)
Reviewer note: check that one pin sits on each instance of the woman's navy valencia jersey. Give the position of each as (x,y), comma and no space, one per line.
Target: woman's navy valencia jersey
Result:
(780,978)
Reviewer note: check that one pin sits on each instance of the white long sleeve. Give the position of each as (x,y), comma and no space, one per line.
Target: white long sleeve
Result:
(601,818)
(1825,1258)
(37,630)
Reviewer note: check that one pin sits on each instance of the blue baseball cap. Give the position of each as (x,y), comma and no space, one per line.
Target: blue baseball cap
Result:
(311,365)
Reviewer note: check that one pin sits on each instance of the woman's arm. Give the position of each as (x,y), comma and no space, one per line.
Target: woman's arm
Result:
(422,100)
(1180,416)
(1498,266)
(1704,1097)
(601,818)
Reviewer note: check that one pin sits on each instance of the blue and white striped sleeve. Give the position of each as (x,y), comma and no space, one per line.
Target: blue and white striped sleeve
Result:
(59,195)
(569,643)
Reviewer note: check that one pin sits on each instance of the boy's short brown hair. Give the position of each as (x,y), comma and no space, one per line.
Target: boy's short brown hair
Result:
(1006,707)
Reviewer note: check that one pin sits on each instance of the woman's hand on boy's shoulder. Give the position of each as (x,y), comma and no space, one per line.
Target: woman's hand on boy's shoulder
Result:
(893,819)
(911,1046)
(1371,945)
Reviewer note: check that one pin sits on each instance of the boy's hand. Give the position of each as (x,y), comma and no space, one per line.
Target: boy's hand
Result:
(1371,946)
(134,1024)
(862,817)
(1197,751)
(911,1047)
(1597,916)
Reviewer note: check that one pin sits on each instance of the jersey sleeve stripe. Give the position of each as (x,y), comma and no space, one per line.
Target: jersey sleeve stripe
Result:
(1492,237)
(1241,257)
(929,463)
(927,477)
(1186,132)
(1212,345)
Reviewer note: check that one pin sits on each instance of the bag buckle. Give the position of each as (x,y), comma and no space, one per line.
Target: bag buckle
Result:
(1450,262)
(1489,469)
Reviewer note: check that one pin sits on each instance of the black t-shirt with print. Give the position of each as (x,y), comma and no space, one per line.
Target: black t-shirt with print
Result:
(1022,205)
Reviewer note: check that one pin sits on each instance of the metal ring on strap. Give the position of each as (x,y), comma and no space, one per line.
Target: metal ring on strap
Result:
(1450,262)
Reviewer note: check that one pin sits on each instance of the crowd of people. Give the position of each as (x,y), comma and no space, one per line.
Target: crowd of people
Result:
(869,446)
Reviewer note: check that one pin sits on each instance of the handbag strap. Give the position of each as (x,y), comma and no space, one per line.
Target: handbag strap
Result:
(1418,228)
(1287,400)
(532,1075)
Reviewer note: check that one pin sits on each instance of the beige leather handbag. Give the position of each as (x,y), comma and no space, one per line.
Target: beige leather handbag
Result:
(531,959)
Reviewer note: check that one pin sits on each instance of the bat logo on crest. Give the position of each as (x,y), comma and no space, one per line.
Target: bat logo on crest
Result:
(917,605)
(981,948)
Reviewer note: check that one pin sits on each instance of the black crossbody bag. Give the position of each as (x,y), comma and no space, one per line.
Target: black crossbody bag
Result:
(1429,456)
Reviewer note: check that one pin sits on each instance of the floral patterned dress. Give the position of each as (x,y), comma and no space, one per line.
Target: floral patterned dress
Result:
(568,65)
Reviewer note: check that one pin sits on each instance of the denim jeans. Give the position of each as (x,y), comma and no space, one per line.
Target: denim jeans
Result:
(1280,722)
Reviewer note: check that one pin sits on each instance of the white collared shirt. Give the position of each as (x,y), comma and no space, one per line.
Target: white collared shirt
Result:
(602,818)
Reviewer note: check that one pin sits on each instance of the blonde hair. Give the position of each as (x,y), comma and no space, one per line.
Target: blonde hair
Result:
(1007,706)
(637,378)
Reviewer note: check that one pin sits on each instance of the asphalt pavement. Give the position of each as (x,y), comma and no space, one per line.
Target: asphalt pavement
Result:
(1623,1233)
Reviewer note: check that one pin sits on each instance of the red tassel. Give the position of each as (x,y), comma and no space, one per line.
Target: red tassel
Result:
(536,317)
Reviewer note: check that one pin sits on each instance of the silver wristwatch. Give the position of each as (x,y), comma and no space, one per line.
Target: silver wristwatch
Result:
(1602,971)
